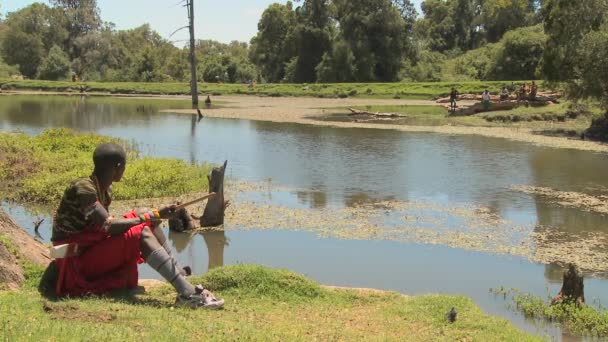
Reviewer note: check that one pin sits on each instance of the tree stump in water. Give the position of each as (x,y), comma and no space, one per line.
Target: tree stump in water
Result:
(216,206)
(572,288)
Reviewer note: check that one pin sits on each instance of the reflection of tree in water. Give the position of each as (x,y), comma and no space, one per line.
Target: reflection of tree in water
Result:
(554,272)
(359,198)
(180,240)
(78,112)
(566,170)
(215,241)
(193,144)
(316,198)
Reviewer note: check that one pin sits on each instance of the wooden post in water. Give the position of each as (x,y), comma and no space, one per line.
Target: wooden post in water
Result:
(193,85)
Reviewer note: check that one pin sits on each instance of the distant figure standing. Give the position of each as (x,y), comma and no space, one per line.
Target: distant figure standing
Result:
(522,92)
(533,91)
(512,87)
(504,96)
(208,102)
(485,97)
(453,98)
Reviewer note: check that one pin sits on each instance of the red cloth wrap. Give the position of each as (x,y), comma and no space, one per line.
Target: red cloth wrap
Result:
(107,263)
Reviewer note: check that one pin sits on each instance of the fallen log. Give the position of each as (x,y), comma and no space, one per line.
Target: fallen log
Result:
(376,114)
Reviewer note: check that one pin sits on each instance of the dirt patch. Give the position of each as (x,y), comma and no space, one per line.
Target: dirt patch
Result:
(73,312)
(19,244)
(11,275)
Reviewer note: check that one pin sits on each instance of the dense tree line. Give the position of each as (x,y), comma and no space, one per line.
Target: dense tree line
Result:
(328,41)
(69,38)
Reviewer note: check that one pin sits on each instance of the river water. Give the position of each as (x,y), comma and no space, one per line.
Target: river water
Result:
(336,168)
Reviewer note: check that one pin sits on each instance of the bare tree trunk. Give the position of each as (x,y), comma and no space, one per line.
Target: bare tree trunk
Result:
(216,206)
(572,288)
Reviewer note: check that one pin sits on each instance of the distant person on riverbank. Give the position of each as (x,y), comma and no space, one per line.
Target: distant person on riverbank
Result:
(533,91)
(453,98)
(106,250)
(522,93)
(504,95)
(512,87)
(208,102)
(485,100)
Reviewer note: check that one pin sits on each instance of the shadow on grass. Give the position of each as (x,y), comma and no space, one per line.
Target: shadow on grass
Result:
(48,282)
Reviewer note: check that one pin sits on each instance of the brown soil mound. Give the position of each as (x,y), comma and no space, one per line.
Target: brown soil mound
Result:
(11,273)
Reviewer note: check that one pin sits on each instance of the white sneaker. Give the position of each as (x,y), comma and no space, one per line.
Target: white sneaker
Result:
(202,298)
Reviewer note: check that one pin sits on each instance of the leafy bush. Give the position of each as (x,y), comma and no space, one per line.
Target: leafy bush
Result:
(55,65)
(426,69)
(520,54)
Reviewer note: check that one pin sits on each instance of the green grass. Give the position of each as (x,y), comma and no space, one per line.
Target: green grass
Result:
(403,90)
(37,169)
(262,304)
(585,321)
(552,118)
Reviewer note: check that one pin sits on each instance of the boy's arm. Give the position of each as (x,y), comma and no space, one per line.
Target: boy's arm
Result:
(116,226)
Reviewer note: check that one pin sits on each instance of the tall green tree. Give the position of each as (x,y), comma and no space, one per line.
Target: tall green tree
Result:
(591,72)
(437,26)
(55,65)
(311,39)
(566,23)
(520,54)
(338,64)
(270,50)
(99,53)
(81,17)
(500,16)
(374,31)
(409,14)
(29,34)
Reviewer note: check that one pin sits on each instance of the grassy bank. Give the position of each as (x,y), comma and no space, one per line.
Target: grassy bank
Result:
(418,90)
(262,304)
(559,119)
(37,169)
(587,321)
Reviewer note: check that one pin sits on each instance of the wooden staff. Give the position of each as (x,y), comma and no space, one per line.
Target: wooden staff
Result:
(209,195)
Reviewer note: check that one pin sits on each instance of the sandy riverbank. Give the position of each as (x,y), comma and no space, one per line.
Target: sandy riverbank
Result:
(304,110)
(307,110)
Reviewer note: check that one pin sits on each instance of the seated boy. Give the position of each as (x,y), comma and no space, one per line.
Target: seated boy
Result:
(110,248)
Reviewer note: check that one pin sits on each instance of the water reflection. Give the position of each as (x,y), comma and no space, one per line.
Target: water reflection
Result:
(78,112)
(215,241)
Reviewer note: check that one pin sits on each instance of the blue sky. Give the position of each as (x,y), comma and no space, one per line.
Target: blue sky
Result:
(219,20)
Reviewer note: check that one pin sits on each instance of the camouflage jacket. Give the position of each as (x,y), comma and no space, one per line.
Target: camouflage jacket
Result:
(71,216)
